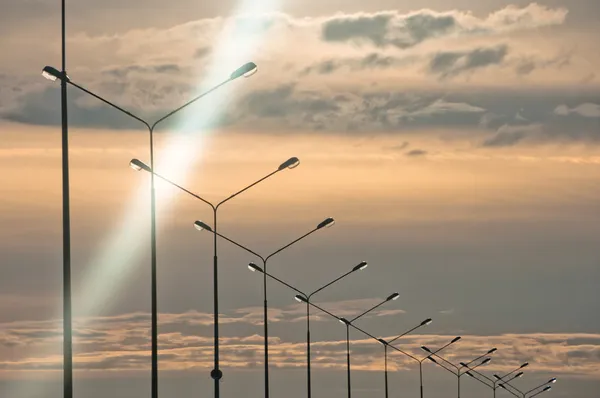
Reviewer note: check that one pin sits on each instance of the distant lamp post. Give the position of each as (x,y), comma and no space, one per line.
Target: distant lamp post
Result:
(328,222)
(306,299)
(493,383)
(348,323)
(385,350)
(138,165)
(53,74)
(458,371)
(528,394)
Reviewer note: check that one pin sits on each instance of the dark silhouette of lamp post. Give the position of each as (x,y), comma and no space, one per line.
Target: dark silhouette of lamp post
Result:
(387,343)
(493,383)
(393,296)
(52,74)
(328,222)
(528,394)
(136,164)
(458,370)
(303,298)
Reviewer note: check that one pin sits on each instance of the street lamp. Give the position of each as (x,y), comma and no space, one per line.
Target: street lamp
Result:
(457,372)
(53,74)
(493,384)
(535,390)
(347,322)
(138,165)
(306,299)
(385,348)
(328,222)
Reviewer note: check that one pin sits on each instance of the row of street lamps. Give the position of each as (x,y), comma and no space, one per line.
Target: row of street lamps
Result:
(247,70)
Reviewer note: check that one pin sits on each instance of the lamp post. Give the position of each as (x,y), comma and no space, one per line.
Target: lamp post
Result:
(53,74)
(420,361)
(328,222)
(536,390)
(493,383)
(136,164)
(304,298)
(393,296)
(385,348)
(457,371)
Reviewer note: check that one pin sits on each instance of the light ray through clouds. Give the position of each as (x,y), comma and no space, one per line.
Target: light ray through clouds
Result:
(128,243)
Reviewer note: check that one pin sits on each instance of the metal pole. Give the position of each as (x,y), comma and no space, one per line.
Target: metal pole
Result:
(67,320)
(308,346)
(421,377)
(386,371)
(216,373)
(154,293)
(266,325)
(458,385)
(348,358)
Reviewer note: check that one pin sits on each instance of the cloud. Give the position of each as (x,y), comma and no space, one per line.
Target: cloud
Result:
(449,64)
(122,343)
(585,110)
(403,31)
(416,153)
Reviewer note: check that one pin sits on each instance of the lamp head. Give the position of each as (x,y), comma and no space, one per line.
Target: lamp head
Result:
(52,73)
(426,322)
(520,374)
(299,298)
(470,374)
(493,350)
(432,359)
(524,365)
(425,348)
(547,388)
(464,364)
(360,267)
(289,164)
(502,386)
(138,165)
(253,267)
(497,377)
(382,341)
(199,225)
(454,340)
(393,296)
(552,380)
(245,70)
(486,361)
(344,321)
(328,222)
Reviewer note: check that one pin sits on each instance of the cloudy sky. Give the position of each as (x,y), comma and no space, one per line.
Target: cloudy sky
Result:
(455,142)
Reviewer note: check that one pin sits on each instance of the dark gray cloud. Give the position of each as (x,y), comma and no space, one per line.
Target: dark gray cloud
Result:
(384,29)
(416,153)
(448,64)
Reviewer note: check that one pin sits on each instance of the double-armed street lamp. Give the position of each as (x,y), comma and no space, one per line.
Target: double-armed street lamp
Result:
(388,343)
(458,370)
(328,222)
(304,297)
(547,386)
(54,74)
(493,383)
(138,165)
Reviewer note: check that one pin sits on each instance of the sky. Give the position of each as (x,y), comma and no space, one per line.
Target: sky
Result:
(455,142)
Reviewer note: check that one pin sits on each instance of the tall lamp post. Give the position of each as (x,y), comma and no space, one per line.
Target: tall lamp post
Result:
(53,74)
(528,394)
(306,299)
(136,164)
(328,222)
(458,372)
(493,384)
(386,343)
(393,296)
